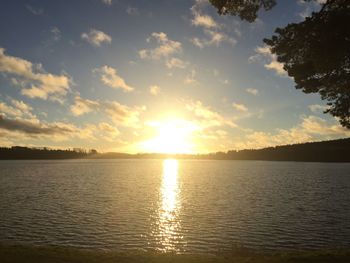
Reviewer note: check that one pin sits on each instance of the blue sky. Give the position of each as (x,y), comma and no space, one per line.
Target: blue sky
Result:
(136,76)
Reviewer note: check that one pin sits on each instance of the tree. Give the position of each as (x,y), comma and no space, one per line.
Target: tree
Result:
(315,52)
(245,9)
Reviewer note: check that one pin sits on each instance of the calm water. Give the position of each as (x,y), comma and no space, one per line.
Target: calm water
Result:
(186,206)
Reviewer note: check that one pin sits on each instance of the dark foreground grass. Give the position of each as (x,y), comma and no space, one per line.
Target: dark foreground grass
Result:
(52,254)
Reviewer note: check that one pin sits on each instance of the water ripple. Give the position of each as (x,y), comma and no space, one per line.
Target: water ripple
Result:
(182,206)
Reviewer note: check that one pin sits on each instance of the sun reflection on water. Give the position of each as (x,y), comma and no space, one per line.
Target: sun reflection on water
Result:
(168,211)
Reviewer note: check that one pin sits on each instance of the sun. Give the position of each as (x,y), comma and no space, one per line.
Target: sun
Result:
(171,136)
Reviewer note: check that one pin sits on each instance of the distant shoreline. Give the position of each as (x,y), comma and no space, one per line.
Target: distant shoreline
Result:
(170,157)
(336,151)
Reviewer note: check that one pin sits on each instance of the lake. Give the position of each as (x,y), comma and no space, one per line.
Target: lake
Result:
(187,206)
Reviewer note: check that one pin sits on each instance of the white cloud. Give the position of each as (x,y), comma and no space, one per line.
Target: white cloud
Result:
(110,78)
(239,107)
(217,37)
(191,77)
(270,60)
(154,90)
(204,21)
(225,81)
(198,42)
(25,108)
(8,110)
(165,50)
(277,67)
(252,91)
(309,7)
(319,126)
(34,10)
(176,63)
(96,37)
(34,84)
(214,38)
(214,32)
(110,131)
(133,11)
(166,47)
(120,114)
(305,13)
(56,33)
(107,2)
(317,108)
(311,128)
(82,106)
(208,118)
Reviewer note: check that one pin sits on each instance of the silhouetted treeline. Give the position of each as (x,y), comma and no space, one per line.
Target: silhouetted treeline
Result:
(325,151)
(18,152)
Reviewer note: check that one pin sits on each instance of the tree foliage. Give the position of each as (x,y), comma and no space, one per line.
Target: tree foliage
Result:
(245,9)
(315,52)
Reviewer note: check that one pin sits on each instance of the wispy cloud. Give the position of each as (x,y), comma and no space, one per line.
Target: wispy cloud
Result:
(83,106)
(208,118)
(239,107)
(165,48)
(311,128)
(110,78)
(214,38)
(263,54)
(217,74)
(191,77)
(176,63)
(17,109)
(34,10)
(252,91)
(111,132)
(309,7)
(133,11)
(96,37)
(316,108)
(204,21)
(120,114)
(56,33)
(107,2)
(214,32)
(154,90)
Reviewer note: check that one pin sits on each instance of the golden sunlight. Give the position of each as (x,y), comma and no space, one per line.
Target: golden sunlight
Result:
(169,186)
(172,136)
(169,224)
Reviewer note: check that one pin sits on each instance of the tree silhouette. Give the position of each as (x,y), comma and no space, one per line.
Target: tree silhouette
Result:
(315,52)
(245,9)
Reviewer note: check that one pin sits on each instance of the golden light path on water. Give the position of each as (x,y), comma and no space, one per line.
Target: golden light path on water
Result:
(170,206)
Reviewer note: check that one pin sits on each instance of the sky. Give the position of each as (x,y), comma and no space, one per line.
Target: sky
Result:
(150,76)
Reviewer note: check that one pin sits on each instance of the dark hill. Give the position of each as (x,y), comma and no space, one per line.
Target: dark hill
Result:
(325,151)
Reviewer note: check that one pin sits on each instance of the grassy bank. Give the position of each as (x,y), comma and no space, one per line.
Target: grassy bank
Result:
(53,254)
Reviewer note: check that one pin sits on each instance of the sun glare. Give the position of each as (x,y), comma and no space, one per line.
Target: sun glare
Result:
(169,224)
(172,136)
